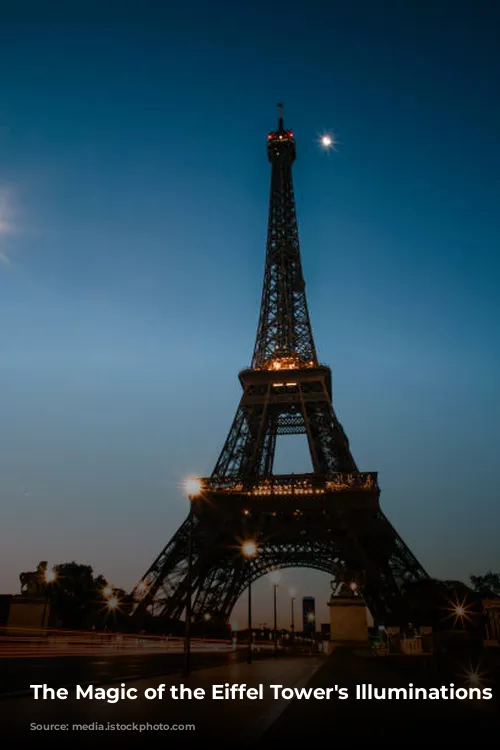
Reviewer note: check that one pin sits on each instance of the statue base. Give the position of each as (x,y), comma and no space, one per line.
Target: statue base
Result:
(348,622)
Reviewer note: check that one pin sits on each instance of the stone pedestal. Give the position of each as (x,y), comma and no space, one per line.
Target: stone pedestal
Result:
(348,621)
(27,612)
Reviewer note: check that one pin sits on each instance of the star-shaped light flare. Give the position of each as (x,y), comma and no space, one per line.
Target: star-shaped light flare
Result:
(460,611)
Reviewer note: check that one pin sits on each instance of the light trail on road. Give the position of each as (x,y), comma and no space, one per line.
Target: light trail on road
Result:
(60,643)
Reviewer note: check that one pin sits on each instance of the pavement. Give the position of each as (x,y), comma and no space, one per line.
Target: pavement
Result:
(217,721)
(266,722)
(405,722)
(16,674)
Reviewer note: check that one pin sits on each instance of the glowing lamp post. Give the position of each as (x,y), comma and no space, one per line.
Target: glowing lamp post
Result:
(49,577)
(461,611)
(311,619)
(249,550)
(275,578)
(292,600)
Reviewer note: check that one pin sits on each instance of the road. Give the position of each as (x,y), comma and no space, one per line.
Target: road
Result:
(66,658)
(274,721)
(191,722)
(17,674)
(408,723)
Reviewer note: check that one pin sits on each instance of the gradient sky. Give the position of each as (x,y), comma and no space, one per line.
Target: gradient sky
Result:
(133,207)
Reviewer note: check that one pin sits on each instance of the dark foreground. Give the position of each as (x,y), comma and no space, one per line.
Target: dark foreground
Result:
(267,723)
(17,674)
(405,722)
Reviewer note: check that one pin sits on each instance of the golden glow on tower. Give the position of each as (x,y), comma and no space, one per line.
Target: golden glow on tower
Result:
(193,486)
(249,548)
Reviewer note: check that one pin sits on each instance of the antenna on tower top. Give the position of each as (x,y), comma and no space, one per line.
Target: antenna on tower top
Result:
(280,120)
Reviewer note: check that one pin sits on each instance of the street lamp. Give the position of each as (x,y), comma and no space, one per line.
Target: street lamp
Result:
(461,611)
(113,603)
(275,587)
(311,619)
(142,588)
(49,576)
(249,550)
(193,487)
(275,577)
(292,600)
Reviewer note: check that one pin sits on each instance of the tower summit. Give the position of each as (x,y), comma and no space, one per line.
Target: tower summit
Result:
(329,519)
(286,391)
(284,330)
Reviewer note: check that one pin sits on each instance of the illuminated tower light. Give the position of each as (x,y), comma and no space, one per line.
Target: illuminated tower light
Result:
(192,486)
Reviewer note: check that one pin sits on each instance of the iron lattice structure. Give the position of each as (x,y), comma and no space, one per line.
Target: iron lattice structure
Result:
(284,328)
(330,519)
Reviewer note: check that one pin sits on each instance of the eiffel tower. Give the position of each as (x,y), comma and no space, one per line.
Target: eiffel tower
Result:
(329,519)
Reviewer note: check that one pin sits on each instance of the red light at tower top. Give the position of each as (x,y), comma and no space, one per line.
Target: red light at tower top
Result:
(280,134)
(284,134)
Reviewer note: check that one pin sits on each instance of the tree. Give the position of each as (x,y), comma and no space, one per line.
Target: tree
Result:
(458,588)
(75,594)
(487,585)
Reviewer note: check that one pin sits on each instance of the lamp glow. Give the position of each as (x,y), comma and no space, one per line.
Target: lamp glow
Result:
(461,611)
(249,549)
(192,486)
(50,576)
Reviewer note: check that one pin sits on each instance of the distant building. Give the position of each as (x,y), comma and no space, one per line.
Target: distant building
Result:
(309,615)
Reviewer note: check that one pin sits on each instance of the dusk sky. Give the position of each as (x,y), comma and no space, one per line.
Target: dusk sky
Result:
(134,189)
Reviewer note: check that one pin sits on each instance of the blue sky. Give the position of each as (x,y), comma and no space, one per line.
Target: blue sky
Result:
(133,207)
